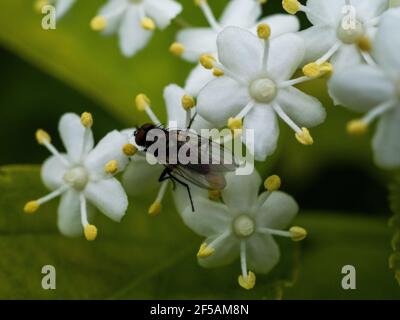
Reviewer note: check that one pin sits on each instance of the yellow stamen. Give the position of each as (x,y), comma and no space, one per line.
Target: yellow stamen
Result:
(111,167)
(298,233)
(142,102)
(87,119)
(273,183)
(31,207)
(249,282)
(148,24)
(357,127)
(264,31)
(305,137)
(98,23)
(205,251)
(155,208)
(39,4)
(177,49)
(214,195)
(291,6)
(188,102)
(42,136)
(315,70)
(90,232)
(364,44)
(129,149)
(235,123)
(218,72)
(207,61)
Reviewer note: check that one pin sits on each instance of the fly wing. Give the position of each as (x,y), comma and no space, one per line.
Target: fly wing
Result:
(218,158)
(210,180)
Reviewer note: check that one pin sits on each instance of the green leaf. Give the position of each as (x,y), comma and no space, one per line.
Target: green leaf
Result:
(140,258)
(394,223)
(336,240)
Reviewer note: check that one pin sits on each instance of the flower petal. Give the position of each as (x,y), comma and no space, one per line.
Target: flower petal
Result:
(69,214)
(52,173)
(347,56)
(241,192)
(173,98)
(386,142)
(197,41)
(262,120)
(197,80)
(241,13)
(277,212)
(285,55)
(318,40)
(132,37)
(162,11)
(361,88)
(109,148)
(114,11)
(367,10)
(226,251)
(209,219)
(387,43)
(326,12)
(182,200)
(72,134)
(109,197)
(140,177)
(262,253)
(241,52)
(62,7)
(302,108)
(280,24)
(221,99)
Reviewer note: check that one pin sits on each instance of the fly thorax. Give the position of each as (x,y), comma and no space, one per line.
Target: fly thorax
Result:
(350,34)
(77,178)
(263,90)
(243,226)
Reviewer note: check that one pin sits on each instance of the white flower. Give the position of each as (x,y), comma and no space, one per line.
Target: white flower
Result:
(255,87)
(61,6)
(243,225)
(84,176)
(376,91)
(342,29)
(141,177)
(135,21)
(193,42)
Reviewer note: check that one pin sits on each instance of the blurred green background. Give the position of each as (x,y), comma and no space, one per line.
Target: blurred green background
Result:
(342,195)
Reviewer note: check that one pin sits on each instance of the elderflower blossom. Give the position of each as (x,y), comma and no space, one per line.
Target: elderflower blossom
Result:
(375,90)
(134,21)
(342,30)
(255,87)
(191,43)
(243,225)
(84,176)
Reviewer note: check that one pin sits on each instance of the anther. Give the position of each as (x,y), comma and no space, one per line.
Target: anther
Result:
(142,102)
(291,6)
(111,167)
(90,232)
(218,72)
(298,233)
(214,195)
(249,282)
(272,183)
(205,251)
(98,23)
(235,123)
(357,127)
(315,70)
(207,61)
(188,102)
(155,208)
(304,137)
(42,137)
(129,149)
(87,120)
(264,31)
(148,24)
(177,49)
(31,207)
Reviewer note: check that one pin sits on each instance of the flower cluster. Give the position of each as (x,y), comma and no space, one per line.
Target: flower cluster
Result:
(245,79)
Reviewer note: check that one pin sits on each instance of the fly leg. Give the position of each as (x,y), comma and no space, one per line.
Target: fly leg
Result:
(166,175)
(187,188)
(191,121)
